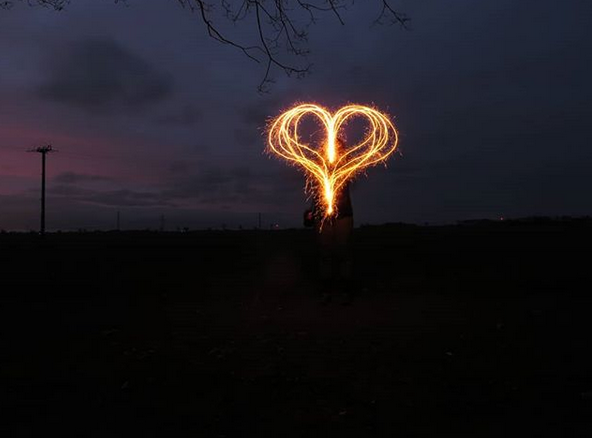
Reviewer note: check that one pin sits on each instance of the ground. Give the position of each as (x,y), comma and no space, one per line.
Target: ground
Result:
(474,330)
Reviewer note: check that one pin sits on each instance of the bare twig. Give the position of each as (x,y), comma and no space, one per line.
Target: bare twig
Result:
(279,24)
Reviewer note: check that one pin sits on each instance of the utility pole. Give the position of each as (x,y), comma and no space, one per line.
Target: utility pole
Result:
(259,221)
(161,223)
(118,220)
(43,150)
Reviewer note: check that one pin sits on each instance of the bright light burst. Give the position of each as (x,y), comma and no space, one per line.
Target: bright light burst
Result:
(332,166)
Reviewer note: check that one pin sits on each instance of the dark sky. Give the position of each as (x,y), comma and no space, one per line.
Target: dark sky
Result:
(151,117)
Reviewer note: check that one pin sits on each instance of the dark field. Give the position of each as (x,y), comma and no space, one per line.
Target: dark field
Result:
(479,330)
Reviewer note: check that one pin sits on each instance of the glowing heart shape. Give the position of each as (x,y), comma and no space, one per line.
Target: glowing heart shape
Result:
(329,166)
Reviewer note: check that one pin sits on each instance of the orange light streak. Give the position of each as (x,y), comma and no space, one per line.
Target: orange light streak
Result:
(331,166)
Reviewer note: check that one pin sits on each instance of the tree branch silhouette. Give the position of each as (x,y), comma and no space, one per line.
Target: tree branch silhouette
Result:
(281,26)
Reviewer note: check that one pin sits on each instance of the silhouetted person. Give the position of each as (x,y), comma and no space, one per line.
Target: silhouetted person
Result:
(333,236)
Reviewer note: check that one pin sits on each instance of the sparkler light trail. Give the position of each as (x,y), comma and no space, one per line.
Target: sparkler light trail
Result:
(332,165)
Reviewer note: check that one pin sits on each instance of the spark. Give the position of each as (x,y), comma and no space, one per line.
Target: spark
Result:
(332,165)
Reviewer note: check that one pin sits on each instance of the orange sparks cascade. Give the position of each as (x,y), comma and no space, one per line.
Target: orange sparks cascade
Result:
(331,167)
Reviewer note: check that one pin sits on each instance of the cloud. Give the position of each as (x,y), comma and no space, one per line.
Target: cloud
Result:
(186,115)
(182,167)
(129,198)
(212,186)
(100,75)
(256,114)
(247,137)
(115,198)
(237,185)
(75,178)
